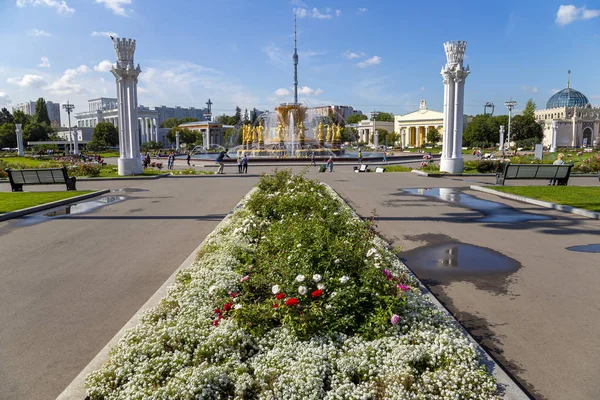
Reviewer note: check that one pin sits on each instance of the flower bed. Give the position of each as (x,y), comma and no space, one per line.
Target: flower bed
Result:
(293,297)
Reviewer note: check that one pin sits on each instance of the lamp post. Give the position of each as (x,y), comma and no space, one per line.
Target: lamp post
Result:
(510,105)
(68,108)
(374,115)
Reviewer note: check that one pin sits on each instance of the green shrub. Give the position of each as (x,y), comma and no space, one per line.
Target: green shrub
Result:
(84,169)
(490,166)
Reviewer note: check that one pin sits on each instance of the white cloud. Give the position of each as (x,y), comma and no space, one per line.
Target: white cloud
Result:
(60,5)
(308,91)
(45,62)
(38,32)
(362,10)
(282,92)
(274,54)
(369,61)
(67,83)
(530,89)
(351,55)
(103,66)
(28,80)
(116,6)
(4,99)
(567,14)
(315,13)
(105,33)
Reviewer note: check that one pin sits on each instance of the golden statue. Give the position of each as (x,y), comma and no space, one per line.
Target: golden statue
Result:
(244,134)
(280,130)
(260,129)
(320,129)
(301,129)
(338,133)
(328,136)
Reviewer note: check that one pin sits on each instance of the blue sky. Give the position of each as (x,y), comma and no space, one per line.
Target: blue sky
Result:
(384,55)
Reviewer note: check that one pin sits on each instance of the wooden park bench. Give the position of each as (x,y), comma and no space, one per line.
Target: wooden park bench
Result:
(557,174)
(44,176)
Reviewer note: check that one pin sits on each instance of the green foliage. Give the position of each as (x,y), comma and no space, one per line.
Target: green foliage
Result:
(397,168)
(349,134)
(529,110)
(106,133)
(588,165)
(490,166)
(253,116)
(587,197)
(301,246)
(36,132)
(8,137)
(84,169)
(355,118)
(383,134)
(18,201)
(151,145)
(431,167)
(41,112)
(525,127)
(21,118)
(191,171)
(433,135)
(96,146)
(186,136)
(226,120)
(527,144)
(174,122)
(385,117)
(6,116)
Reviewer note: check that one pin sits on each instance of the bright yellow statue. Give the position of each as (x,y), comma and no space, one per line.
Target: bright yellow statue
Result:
(328,136)
(280,130)
(260,129)
(320,129)
(301,129)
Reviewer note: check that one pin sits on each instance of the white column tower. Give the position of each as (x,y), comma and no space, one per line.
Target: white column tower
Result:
(19,132)
(454,75)
(126,76)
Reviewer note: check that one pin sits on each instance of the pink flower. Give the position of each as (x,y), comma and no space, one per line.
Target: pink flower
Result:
(403,288)
(387,274)
(395,319)
(244,279)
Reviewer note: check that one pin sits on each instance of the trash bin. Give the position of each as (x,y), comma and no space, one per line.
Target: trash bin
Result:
(323,168)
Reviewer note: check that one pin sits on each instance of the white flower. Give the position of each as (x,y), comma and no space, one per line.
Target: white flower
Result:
(328,306)
(320,286)
(237,306)
(299,245)
(317,278)
(212,290)
(337,261)
(302,290)
(275,289)
(344,279)
(371,251)
(300,278)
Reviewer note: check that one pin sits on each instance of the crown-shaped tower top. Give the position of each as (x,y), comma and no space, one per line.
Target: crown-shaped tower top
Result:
(124,49)
(455,52)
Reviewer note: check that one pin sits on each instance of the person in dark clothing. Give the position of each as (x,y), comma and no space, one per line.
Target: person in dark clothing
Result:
(245,164)
(189,157)
(312,159)
(219,160)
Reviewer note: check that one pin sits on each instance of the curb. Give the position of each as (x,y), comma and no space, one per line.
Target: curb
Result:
(132,178)
(508,386)
(47,206)
(541,203)
(76,389)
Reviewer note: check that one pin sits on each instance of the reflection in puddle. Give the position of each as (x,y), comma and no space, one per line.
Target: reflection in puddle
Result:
(588,248)
(448,262)
(73,209)
(493,212)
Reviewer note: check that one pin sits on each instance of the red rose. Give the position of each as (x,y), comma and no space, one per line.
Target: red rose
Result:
(280,296)
(275,305)
(215,322)
(217,311)
(317,293)
(227,306)
(292,302)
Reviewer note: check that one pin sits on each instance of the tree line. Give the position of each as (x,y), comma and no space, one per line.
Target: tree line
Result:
(36,127)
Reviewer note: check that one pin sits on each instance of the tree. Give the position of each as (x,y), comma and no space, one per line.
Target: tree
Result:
(246,119)
(433,136)
(21,118)
(41,112)
(348,134)
(8,136)
(525,128)
(173,122)
(392,138)
(481,131)
(355,118)
(529,110)
(385,117)
(253,116)
(36,132)
(237,118)
(382,138)
(226,120)
(106,133)
(6,116)
(186,136)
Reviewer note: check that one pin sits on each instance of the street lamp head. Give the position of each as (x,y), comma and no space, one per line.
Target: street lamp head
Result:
(510,104)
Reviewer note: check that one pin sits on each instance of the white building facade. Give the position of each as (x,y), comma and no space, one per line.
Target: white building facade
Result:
(569,120)
(413,127)
(367,128)
(53,110)
(336,112)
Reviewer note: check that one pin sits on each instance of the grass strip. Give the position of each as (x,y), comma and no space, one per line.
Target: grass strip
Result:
(586,197)
(18,201)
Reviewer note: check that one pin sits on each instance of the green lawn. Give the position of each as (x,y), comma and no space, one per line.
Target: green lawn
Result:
(30,162)
(18,201)
(587,197)
(397,168)
(112,171)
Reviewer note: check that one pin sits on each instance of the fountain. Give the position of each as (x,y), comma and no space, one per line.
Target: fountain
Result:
(292,131)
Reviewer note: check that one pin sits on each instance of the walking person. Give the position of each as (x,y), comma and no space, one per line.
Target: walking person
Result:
(189,157)
(170,161)
(385,156)
(239,164)
(312,158)
(330,164)
(245,164)
(219,160)
(359,156)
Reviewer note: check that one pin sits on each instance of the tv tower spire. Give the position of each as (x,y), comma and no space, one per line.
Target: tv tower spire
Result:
(295,65)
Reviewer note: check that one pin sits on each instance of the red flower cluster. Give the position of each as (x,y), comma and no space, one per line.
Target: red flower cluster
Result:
(317,293)
(292,302)
(280,296)
(227,306)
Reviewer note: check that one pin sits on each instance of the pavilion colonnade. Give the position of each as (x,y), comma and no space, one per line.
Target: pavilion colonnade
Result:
(416,135)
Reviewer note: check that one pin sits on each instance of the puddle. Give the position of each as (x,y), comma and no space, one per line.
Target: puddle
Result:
(129,190)
(492,211)
(444,263)
(72,209)
(588,248)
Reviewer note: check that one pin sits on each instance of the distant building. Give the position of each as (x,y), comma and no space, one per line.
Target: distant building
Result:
(367,128)
(335,112)
(53,110)
(413,127)
(212,132)
(165,113)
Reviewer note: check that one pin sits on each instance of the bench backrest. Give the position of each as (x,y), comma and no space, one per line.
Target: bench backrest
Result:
(38,176)
(535,171)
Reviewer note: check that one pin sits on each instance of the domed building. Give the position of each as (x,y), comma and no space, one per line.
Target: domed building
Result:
(569,120)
